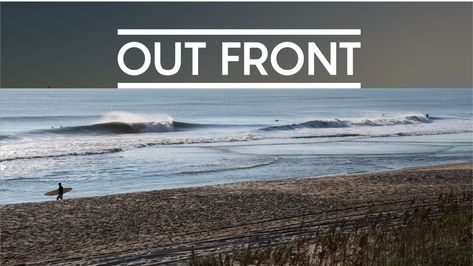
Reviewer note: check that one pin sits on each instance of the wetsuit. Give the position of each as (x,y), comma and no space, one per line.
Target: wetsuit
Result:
(60,192)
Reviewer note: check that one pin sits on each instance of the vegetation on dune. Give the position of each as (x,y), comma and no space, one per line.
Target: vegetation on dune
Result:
(439,234)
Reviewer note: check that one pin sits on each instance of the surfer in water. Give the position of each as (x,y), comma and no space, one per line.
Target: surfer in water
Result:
(60,191)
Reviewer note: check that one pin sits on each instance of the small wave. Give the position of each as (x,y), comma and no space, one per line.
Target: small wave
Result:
(231,167)
(339,135)
(7,137)
(67,154)
(339,123)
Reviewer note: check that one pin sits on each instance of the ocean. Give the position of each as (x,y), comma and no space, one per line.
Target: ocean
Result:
(110,141)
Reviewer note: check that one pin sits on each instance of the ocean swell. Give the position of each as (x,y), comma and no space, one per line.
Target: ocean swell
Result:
(340,123)
(125,123)
(123,128)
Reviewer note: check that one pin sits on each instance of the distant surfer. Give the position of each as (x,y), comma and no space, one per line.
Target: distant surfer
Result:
(427,115)
(60,192)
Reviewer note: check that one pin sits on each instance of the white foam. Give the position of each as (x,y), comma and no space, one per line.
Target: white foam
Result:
(129,118)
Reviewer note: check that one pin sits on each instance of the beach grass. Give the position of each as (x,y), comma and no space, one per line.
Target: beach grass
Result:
(393,217)
(430,235)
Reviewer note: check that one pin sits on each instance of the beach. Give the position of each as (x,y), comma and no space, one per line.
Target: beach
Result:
(163,226)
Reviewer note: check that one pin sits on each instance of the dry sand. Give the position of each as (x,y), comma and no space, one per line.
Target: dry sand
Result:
(163,226)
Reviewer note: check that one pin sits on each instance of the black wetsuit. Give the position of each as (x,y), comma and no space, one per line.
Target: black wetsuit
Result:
(60,192)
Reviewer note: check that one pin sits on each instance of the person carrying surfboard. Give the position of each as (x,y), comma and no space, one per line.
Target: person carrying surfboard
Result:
(60,191)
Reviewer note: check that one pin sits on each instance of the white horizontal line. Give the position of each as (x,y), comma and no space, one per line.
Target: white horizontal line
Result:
(238,32)
(243,1)
(244,85)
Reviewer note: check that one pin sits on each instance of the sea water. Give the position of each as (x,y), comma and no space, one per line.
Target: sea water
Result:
(109,141)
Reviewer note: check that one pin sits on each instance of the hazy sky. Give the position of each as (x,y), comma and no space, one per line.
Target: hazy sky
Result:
(76,45)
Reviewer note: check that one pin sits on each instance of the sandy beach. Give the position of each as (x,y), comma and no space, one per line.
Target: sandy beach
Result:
(163,226)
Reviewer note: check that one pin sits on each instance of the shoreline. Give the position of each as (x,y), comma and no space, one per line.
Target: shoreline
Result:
(244,182)
(164,225)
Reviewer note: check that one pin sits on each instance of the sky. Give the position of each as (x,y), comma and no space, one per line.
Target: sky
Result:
(75,45)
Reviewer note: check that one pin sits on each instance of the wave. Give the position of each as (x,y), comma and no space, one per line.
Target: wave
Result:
(107,136)
(335,135)
(340,123)
(381,135)
(7,137)
(128,123)
(65,154)
(70,148)
(124,128)
(124,123)
(231,167)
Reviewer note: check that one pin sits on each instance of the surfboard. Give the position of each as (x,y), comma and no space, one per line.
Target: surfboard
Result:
(56,192)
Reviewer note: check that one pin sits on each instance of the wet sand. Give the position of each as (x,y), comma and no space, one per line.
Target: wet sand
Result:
(163,226)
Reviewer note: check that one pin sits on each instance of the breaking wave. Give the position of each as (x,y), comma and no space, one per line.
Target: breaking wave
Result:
(340,123)
(128,123)
(125,123)
(124,128)
(109,134)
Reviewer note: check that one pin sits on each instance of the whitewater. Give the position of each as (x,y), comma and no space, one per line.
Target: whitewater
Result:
(114,141)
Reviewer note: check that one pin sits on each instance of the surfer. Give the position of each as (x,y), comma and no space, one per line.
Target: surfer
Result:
(60,191)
